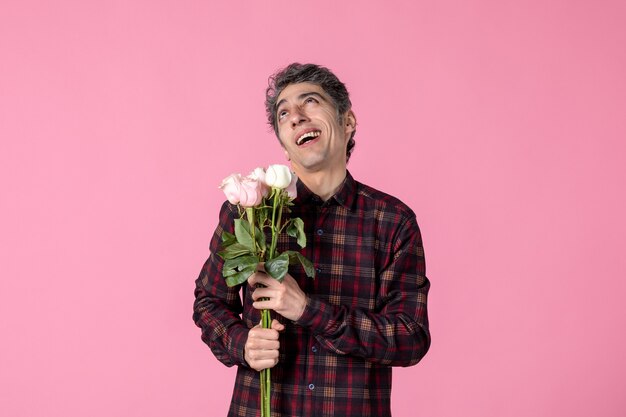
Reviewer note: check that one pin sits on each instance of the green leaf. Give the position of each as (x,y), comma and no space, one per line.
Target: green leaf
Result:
(242,232)
(260,238)
(241,262)
(239,277)
(237,270)
(297,257)
(307,265)
(228,239)
(233,251)
(296,229)
(278,266)
(229,272)
(261,214)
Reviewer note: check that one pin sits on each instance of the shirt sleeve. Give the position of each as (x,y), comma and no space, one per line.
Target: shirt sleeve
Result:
(217,308)
(396,333)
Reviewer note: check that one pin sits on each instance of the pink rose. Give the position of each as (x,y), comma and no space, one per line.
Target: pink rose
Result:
(231,186)
(246,191)
(292,190)
(259,175)
(251,192)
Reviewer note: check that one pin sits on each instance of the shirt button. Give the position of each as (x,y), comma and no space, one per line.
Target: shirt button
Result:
(318,270)
(314,349)
(320,232)
(311,387)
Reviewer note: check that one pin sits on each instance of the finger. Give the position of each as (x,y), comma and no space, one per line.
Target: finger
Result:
(257,355)
(261,278)
(262,347)
(262,292)
(264,304)
(254,279)
(278,326)
(263,355)
(263,364)
(259,333)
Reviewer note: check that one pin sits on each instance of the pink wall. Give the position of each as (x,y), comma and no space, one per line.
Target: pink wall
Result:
(501,123)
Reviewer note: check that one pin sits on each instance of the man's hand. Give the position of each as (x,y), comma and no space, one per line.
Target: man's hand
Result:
(261,348)
(286,298)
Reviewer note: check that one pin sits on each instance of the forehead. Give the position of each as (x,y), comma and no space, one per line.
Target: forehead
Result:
(293,91)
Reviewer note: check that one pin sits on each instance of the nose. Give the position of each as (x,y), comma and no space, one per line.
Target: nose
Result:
(297,117)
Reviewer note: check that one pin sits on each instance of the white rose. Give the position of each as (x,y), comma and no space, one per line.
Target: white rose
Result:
(278,176)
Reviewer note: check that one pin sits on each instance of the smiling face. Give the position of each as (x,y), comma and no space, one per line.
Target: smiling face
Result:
(312,134)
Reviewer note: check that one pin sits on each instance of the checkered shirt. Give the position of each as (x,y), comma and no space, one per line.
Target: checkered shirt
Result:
(365,312)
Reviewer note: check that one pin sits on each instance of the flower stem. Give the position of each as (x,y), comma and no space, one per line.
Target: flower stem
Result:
(277,193)
(251,220)
(266,320)
(266,323)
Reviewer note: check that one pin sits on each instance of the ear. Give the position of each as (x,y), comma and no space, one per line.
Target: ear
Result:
(349,122)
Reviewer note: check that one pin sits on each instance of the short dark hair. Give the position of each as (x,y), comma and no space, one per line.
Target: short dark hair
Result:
(314,74)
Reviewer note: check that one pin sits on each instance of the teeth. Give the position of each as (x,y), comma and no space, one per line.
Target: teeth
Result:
(303,138)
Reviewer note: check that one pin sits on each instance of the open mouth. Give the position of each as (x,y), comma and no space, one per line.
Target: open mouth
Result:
(307,137)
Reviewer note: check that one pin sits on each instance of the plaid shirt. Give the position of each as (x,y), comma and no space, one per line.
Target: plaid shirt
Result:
(365,312)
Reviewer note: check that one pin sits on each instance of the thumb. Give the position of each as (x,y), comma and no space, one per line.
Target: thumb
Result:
(278,326)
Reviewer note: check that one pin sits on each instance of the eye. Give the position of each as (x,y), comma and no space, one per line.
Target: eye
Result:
(282,114)
(311,100)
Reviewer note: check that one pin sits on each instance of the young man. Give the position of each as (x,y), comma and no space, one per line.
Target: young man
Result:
(334,338)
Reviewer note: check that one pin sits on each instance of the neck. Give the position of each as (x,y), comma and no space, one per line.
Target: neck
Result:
(323,183)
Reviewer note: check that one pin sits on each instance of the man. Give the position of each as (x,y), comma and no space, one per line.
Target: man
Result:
(334,338)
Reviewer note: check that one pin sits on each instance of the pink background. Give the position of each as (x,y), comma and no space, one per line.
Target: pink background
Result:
(501,123)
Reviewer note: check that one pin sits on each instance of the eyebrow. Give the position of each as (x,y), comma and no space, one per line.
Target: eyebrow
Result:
(302,97)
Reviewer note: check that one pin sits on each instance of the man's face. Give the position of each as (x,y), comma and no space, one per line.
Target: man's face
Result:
(309,129)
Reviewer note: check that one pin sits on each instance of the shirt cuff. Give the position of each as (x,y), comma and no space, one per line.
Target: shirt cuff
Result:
(317,316)
(238,338)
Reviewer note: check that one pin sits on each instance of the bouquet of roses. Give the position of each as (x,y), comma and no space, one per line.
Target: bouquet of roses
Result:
(262,197)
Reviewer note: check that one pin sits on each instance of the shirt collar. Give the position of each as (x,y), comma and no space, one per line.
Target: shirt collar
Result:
(345,196)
